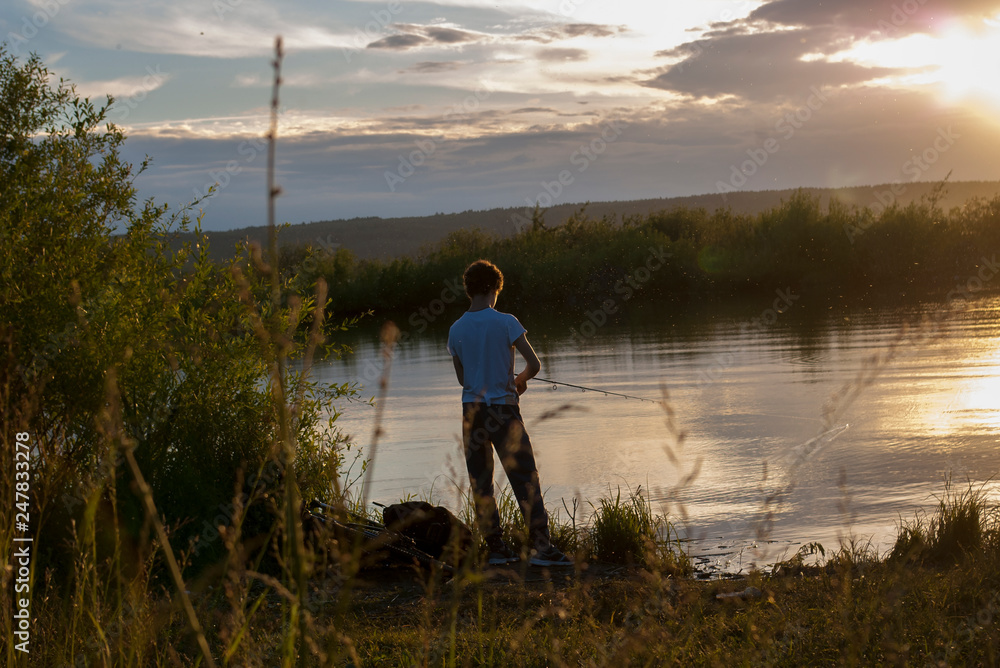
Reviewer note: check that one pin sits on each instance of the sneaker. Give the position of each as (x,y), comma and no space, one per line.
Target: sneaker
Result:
(501,554)
(550,556)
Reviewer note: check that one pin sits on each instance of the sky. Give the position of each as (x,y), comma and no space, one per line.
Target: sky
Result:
(403,108)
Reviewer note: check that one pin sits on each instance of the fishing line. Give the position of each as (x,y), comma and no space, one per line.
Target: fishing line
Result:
(653,401)
(596,389)
(786,417)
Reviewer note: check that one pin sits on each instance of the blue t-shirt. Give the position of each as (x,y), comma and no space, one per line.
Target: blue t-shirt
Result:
(483,341)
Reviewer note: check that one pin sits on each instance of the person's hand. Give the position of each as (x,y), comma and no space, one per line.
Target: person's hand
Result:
(521,385)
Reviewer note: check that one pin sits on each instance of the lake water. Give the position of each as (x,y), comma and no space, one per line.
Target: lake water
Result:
(789,406)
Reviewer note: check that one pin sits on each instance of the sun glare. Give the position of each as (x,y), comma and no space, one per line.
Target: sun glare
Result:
(961,61)
(981,398)
(969,62)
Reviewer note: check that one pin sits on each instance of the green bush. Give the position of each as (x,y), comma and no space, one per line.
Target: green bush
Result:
(115,341)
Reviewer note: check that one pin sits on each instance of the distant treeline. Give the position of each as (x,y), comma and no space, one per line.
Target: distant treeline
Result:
(387,238)
(837,250)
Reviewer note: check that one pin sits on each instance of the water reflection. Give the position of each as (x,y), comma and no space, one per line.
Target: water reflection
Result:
(749,399)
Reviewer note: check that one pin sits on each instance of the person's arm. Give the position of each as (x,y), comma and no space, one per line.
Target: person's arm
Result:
(531,359)
(459,370)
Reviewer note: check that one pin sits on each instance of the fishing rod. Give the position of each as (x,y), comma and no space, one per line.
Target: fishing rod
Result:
(653,401)
(596,389)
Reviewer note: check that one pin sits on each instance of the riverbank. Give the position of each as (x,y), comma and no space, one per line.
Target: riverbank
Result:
(931,600)
(851,613)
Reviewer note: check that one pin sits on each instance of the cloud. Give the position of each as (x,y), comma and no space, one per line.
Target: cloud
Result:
(569,31)
(760,66)
(562,55)
(399,42)
(413,36)
(432,67)
(784,47)
(858,137)
(221,29)
(591,30)
(555,113)
(866,17)
(249,81)
(449,35)
(122,87)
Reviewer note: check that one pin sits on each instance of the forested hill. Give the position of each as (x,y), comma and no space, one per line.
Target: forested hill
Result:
(393,237)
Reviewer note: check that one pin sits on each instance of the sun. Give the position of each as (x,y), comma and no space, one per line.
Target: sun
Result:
(969,61)
(960,61)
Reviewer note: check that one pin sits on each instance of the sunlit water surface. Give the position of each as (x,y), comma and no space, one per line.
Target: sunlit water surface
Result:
(751,404)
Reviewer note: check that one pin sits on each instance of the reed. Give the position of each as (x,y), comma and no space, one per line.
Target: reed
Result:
(626,531)
(823,250)
(965,526)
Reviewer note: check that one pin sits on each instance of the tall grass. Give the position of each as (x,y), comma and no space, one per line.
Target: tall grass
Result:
(965,526)
(627,531)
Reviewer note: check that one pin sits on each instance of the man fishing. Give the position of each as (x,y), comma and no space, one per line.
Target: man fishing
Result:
(482,344)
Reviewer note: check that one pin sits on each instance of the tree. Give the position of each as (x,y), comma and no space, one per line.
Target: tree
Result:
(118,337)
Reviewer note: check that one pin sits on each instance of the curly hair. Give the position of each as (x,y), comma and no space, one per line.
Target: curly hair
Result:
(481,278)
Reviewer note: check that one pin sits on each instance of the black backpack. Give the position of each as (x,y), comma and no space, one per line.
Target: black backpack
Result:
(434,529)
